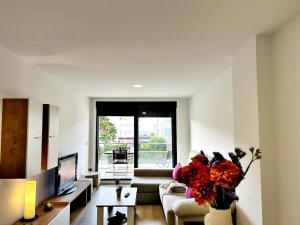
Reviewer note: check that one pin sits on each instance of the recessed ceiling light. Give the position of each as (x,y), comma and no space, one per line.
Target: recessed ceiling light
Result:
(137,85)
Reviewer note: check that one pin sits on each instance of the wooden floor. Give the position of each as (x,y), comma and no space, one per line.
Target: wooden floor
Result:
(145,214)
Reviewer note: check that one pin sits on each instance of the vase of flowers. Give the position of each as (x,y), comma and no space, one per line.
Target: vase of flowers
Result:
(214,182)
(218,216)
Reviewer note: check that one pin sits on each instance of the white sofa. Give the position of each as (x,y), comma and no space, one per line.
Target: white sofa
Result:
(178,209)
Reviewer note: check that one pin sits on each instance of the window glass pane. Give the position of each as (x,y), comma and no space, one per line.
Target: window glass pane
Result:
(115,132)
(155,142)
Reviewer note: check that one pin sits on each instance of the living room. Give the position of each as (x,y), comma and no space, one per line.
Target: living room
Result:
(230,68)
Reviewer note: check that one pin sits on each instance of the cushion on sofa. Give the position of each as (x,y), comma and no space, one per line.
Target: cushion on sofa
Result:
(177,172)
(148,184)
(189,193)
(164,191)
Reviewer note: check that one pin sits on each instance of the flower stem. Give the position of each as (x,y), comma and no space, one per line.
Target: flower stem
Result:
(253,158)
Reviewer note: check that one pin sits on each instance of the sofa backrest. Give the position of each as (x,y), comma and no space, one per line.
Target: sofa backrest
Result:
(153,172)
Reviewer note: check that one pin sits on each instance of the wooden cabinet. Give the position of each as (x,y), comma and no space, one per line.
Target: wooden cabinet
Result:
(62,218)
(50,137)
(21,138)
(67,208)
(77,200)
(29,138)
(60,215)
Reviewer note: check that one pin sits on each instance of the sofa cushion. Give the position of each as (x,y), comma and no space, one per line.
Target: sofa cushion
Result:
(164,191)
(148,184)
(189,192)
(177,172)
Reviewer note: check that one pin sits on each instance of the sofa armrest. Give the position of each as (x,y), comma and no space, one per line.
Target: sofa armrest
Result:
(188,207)
(153,172)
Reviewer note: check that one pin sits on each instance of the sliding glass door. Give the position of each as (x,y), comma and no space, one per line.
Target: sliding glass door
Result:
(146,129)
(115,132)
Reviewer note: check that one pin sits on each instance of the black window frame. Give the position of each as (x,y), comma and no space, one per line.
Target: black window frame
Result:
(137,110)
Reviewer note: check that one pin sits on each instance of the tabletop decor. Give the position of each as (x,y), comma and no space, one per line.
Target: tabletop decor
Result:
(29,201)
(48,207)
(214,182)
(119,191)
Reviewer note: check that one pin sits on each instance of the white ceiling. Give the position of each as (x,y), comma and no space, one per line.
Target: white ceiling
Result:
(102,47)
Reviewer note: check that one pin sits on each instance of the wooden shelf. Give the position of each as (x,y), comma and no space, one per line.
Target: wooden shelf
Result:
(74,215)
(74,203)
(81,186)
(46,217)
(77,200)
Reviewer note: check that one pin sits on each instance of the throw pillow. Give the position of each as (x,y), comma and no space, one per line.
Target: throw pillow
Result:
(177,172)
(189,192)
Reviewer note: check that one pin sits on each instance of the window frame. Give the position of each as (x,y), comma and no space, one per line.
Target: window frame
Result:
(137,109)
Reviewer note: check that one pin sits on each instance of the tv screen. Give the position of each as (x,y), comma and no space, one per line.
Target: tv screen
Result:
(67,172)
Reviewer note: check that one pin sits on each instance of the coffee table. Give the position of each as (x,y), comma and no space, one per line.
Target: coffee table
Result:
(108,198)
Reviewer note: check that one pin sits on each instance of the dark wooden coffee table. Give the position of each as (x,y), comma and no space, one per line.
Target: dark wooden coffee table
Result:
(108,198)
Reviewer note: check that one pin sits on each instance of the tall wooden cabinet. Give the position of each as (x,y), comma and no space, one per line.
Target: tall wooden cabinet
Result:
(50,136)
(21,138)
(29,138)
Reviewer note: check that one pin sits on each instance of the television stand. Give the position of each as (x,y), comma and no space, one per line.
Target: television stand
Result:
(77,199)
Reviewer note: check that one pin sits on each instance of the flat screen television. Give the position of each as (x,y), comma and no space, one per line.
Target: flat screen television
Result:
(66,174)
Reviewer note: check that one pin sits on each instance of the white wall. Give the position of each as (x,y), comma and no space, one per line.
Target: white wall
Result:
(13,190)
(20,79)
(266,129)
(286,76)
(224,115)
(279,115)
(183,130)
(183,126)
(246,130)
(211,115)
(266,109)
(12,205)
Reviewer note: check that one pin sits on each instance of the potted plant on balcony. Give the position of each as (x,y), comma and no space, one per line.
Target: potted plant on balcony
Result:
(214,182)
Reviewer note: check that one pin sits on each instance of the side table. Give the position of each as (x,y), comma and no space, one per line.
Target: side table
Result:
(95,176)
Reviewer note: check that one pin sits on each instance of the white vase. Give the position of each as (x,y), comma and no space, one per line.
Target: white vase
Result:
(218,217)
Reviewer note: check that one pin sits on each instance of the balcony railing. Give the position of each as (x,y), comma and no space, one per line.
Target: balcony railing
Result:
(151,155)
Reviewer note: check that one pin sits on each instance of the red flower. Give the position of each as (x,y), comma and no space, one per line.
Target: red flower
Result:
(226,174)
(193,172)
(201,157)
(197,176)
(204,192)
(214,182)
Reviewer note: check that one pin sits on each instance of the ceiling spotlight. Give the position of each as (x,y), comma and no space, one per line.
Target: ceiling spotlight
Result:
(137,85)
